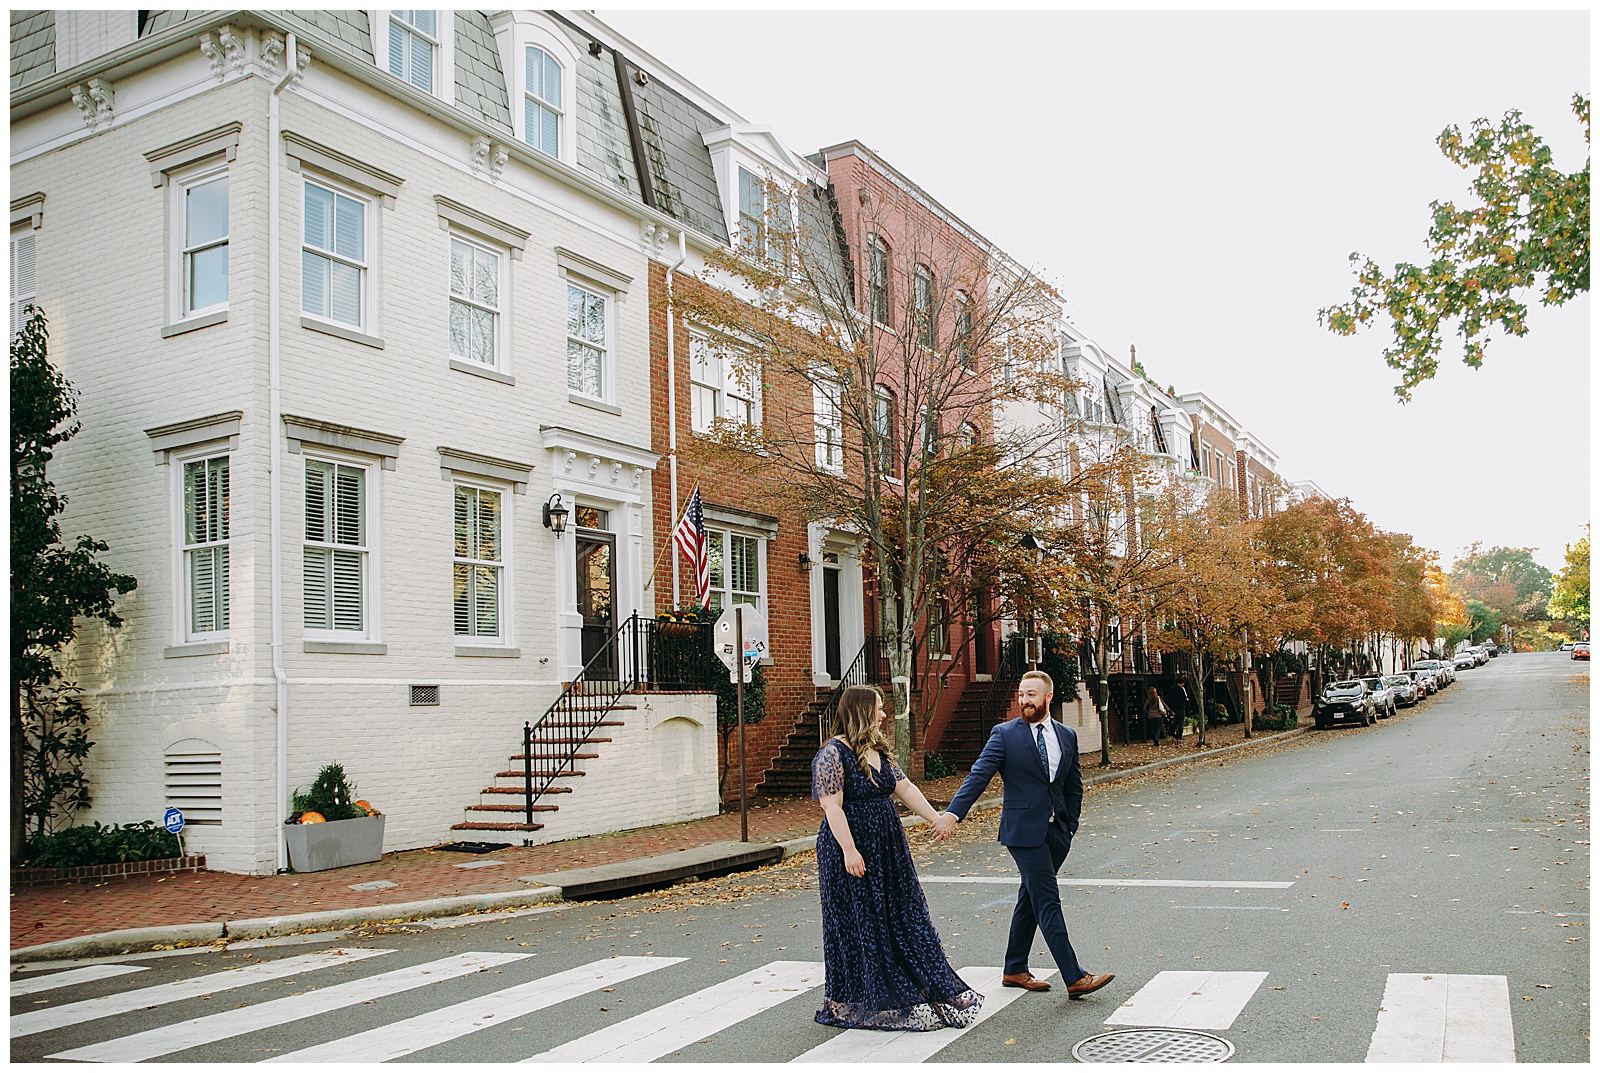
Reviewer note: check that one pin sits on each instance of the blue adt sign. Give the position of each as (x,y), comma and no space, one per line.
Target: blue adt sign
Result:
(173,821)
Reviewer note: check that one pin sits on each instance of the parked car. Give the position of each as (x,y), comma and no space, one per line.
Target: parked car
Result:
(1383,702)
(1405,689)
(1492,648)
(1345,701)
(1466,661)
(1482,654)
(1427,686)
(1439,670)
(1566,646)
(1580,650)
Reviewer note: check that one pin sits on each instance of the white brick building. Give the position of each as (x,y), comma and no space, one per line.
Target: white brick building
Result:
(348,297)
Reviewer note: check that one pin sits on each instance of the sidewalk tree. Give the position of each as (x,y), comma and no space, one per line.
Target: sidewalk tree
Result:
(1416,608)
(54,585)
(1507,582)
(877,409)
(1570,599)
(1526,234)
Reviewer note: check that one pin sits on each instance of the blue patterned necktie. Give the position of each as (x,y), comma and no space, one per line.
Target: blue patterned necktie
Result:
(1044,754)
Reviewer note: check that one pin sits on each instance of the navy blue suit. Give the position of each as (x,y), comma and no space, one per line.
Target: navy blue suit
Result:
(1038,817)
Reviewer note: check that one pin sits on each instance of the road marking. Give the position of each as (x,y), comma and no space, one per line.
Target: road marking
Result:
(74,1013)
(1260,908)
(1189,1000)
(173,1038)
(864,1046)
(393,1041)
(72,976)
(1072,881)
(661,1031)
(1441,1017)
(479,918)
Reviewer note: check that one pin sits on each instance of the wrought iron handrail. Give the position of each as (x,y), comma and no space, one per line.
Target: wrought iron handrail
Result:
(1003,685)
(862,671)
(644,658)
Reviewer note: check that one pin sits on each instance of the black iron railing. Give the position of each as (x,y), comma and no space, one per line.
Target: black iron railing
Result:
(640,655)
(1003,686)
(865,669)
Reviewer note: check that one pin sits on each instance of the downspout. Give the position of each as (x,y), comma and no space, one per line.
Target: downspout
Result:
(291,71)
(672,410)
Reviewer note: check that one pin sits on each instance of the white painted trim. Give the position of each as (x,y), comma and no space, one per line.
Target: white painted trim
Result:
(371,635)
(514,32)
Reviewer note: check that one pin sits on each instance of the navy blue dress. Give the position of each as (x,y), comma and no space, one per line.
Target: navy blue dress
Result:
(885,966)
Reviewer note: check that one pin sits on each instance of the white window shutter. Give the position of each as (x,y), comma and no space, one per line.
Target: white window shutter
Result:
(24,287)
(314,578)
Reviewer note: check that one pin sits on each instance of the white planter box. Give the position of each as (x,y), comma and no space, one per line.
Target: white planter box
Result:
(316,847)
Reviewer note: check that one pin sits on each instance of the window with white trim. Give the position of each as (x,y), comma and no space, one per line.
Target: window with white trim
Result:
(337,565)
(414,47)
(922,296)
(588,341)
(752,214)
(200,225)
(476,284)
(735,561)
(24,279)
(334,258)
(203,586)
(829,418)
(542,109)
(719,387)
(883,427)
(478,566)
(964,331)
(878,280)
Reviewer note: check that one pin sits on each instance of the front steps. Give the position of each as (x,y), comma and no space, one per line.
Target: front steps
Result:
(508,796)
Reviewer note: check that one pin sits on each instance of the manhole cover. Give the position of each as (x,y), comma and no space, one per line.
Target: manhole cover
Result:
(1154,1045)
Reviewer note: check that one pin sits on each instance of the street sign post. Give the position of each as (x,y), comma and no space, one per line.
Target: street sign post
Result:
(740,640)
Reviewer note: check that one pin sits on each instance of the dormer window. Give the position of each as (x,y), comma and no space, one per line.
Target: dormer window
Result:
(542,108)
(413,47)
(765,220)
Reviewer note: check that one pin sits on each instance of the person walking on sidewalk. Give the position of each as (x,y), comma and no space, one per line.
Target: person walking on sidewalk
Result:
(1155,715)
(884,965)
(1037,760)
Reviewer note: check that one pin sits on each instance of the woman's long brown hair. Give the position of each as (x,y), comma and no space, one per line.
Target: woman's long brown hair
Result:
(858,724)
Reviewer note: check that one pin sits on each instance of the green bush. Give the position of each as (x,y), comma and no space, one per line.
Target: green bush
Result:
(76,847)
(331,794)
(935,766)
(1276,717)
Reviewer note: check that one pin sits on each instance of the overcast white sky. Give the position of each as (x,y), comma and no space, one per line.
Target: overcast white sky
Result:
(1193,182)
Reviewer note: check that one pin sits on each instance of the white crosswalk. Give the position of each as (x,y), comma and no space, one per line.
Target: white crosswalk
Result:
(1419,1017)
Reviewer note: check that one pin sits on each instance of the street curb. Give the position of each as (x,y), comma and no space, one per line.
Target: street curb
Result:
(129,940)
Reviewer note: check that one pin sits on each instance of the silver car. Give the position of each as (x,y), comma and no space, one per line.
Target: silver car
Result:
(1405,689)
(1383,698)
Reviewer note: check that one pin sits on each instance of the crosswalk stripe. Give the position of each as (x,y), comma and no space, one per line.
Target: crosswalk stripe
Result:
(661,1031)
(441,1026)
(1440,1017)
(1075,881)
(88,974)
(25,1024)
(869,1046)
(1189,1000)
(236,1022)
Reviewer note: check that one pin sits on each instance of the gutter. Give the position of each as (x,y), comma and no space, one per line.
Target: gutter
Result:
(291,72)
(672,410)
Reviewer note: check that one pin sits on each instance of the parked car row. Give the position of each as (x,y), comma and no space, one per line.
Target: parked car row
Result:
(1366,700)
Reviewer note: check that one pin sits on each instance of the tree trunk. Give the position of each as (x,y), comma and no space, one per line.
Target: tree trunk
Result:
(1200,671)
(19,748)
(900,676)
(1102,700)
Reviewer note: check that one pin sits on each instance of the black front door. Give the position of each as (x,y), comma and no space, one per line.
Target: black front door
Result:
(595,556)
(831,655)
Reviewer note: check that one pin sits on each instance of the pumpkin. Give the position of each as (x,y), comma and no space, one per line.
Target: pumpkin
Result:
(367,808)
(313,817)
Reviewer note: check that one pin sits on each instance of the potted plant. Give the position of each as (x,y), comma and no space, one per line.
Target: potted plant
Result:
(679,622)
(329,828)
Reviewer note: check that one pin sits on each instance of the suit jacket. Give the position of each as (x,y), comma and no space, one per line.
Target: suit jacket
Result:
(1025,808)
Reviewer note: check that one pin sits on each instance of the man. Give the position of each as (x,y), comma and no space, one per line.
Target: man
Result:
(1037,759)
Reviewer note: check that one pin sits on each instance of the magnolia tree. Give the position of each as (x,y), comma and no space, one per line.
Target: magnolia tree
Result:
(878,392)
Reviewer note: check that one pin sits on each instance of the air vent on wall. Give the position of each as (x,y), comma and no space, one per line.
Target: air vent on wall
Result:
(193,781)
(424,696)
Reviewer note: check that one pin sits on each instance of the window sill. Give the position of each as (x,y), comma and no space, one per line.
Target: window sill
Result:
(205,320)
(594,404)
(329,328)
(195,648)
(488,652)
(484,371)
(347,648)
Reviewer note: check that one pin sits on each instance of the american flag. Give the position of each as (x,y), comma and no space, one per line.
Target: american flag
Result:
(690,536)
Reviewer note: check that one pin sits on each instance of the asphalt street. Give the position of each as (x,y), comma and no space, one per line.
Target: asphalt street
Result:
(1339,898)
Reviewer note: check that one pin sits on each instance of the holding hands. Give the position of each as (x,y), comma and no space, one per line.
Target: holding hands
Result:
(944,826)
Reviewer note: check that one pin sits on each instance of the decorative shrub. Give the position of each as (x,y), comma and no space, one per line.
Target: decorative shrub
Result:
(331,794)
(1276,717)
(935,766)
(76,847)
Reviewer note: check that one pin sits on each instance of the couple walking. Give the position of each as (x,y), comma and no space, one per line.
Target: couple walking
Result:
(885,965)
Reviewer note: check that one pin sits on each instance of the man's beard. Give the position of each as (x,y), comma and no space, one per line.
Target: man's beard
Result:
(1031,713)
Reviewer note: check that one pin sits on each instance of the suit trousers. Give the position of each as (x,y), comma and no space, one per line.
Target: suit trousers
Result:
(1039,906)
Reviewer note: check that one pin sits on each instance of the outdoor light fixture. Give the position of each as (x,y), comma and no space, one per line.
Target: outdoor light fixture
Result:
(555,515)
(805,561)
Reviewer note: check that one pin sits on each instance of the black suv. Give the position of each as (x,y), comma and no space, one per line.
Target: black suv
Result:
(1348,701)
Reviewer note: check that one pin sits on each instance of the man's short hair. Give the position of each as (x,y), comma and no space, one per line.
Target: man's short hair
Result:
(1049,683)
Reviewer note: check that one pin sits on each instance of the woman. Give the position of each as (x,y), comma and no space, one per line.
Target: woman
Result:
(885,967)
(1154,715)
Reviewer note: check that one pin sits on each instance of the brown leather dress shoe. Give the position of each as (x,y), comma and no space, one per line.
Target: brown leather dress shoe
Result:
(1025,979)
(1089,983)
